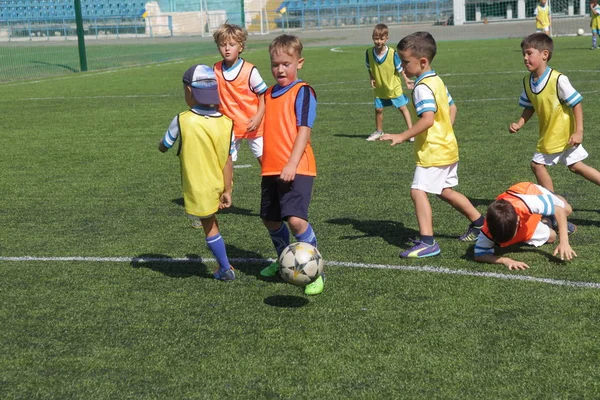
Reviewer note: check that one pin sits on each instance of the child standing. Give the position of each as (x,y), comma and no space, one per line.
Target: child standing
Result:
(595,22)
(289,167)
(385,69)
(523,214)
(241,89)
(436,150)
(543,20)
(560,115)
(205,147)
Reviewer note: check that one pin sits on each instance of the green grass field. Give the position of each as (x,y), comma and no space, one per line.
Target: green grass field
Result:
(82,178)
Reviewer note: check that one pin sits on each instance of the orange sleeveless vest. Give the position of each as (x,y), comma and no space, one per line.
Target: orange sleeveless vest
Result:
(280,134)
(527,221)
(238,101)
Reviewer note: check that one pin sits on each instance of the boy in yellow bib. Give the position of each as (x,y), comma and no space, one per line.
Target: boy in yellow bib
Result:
(205,147)
(595,22)
(550,94)
(436,149)
(543,20)
(385,69)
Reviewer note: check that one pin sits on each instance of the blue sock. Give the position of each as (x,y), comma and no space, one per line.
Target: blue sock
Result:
(479,221)
(216,244)
(308,236)
(427,240)
(280,238)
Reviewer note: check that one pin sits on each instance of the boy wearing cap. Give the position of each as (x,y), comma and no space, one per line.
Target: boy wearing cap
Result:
(204,152)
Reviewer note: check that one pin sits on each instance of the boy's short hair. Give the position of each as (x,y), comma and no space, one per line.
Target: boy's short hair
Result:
(422,44)
(381,30)
(501,220)
(202,80)
(231,31)
(539,41)
(288,44)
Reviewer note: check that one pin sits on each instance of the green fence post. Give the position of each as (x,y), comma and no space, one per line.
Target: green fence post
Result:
(243,17)
(80,39)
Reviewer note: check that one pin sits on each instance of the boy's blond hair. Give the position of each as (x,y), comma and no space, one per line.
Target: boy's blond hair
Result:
(539,41)
(288,44)
(231,31)
(421,44)
(381,30)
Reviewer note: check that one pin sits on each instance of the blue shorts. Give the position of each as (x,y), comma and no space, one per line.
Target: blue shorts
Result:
(280,200)
(395,102)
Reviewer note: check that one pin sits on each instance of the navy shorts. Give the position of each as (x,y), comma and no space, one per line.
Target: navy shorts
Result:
(280,200)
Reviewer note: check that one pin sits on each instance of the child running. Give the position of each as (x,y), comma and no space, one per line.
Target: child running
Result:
(436,149)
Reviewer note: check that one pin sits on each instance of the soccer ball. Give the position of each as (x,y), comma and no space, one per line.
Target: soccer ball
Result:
(300,264)
(580,32)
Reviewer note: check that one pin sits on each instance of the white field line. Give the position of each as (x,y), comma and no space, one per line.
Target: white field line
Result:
(426,268)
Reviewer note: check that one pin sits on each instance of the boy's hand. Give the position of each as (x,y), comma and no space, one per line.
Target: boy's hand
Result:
(225,200)
(410,85)
(252,124)
(373,85)
(576,139)
(395,138)
(514,127)
(564,251)
(161,147)
(515,265)
(288,173)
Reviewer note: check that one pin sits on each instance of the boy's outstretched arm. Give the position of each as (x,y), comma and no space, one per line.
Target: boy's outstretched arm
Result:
(577,137)
(425,122)
(525,116)
(225,199)
(410,84)
(509,262)
(563,249)
(256,119)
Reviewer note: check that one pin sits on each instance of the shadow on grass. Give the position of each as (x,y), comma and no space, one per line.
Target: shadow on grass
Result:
(393,232)
(286,301)
(230,210)
(175,268)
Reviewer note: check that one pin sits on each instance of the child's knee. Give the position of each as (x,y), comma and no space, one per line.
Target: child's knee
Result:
(576,168)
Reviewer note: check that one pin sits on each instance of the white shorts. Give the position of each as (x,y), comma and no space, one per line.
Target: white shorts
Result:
(540,235)
(567,157)
(543,30)
(255,144)
(435,179)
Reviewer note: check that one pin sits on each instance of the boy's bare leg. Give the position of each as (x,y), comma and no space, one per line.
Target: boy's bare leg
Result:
(461,203)
(406,115)
(423,212)
(542,175)
(589,173)
(379,119)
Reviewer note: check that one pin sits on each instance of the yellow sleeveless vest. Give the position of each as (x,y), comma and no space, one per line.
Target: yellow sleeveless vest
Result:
(437,146)
(556,120)
(387,81)
(204,147)
(543,17)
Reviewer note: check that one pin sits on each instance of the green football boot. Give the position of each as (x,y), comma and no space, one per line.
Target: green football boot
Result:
(316,287)
(271,270)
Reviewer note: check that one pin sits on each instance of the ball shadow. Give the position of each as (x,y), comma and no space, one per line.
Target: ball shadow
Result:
(284,301)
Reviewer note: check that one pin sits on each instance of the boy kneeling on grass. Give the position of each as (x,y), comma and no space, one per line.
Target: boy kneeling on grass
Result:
(525,213)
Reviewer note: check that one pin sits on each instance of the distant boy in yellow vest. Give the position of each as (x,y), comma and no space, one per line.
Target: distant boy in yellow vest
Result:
(241,89)
(543,20)
(385,69)
(595,22)
(550,94)
(205,146)
(436,149)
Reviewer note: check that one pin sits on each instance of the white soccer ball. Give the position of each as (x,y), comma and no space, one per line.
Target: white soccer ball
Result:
(300,264)
(580,32)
